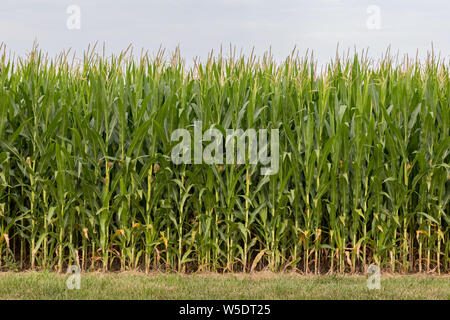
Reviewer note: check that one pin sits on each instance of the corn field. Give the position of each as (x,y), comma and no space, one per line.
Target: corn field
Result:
(86,176)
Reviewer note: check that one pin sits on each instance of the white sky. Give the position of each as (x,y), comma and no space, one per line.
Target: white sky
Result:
(201,25)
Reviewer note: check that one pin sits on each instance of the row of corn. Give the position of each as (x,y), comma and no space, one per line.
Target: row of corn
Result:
(86,176)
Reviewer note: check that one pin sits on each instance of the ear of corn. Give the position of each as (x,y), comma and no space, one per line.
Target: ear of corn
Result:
(86,176)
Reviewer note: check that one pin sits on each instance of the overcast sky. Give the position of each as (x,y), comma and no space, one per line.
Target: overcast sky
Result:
(201,25)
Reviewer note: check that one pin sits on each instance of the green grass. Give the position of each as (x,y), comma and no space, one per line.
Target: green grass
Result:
(43,285)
